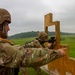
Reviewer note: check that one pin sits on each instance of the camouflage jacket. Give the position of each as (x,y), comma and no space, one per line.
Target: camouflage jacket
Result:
(36,44)
(6,70)
(33,44)
(12,57)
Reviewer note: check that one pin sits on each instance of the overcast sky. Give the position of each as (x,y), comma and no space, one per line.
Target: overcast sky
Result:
(28,15)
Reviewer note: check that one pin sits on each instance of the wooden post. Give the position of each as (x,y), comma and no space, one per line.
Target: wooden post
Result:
(48,21)
(57,29)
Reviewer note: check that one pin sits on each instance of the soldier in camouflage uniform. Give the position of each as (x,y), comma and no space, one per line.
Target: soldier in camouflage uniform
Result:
(4,19)
(42,37)
(40,41)
(12,57)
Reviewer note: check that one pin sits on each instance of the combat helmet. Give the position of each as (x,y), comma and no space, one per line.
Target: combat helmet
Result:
(4,16)
(42,36)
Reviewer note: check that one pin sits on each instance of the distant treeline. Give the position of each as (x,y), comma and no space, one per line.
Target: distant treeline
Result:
(34,34)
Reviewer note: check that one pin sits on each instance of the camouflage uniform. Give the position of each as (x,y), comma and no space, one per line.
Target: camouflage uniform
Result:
(34,44)
(5,70)
(42,37)
(12,57)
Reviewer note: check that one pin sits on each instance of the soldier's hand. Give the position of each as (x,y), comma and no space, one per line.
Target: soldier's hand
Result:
(49,44)
(62,51)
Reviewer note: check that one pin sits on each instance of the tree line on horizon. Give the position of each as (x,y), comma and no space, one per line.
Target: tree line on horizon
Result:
(34,34)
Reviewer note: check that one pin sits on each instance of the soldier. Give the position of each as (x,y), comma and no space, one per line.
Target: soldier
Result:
(40,41)
(4,19)
(42,37)
(11,57)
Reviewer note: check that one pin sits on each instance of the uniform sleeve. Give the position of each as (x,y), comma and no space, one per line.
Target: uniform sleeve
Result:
(26,57)
(32,57)
(32,44)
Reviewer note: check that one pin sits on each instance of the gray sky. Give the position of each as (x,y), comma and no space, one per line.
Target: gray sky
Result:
(28,15)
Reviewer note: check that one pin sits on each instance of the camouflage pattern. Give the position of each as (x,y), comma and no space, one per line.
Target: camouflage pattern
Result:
(12,57)
(4,16)
(6,70)
(38,70)
(24,71)
(33,44)
(36,44)
(42,36)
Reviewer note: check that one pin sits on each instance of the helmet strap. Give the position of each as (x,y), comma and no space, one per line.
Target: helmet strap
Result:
(4,32)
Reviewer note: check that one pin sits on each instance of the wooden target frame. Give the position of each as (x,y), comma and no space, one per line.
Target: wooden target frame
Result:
(64,64)
(48,21)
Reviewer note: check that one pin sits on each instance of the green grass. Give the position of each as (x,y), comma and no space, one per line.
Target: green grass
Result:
(70,41)
(22,40)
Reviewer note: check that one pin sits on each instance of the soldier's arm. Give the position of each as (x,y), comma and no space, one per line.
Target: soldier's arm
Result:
(12,57)
(32,44)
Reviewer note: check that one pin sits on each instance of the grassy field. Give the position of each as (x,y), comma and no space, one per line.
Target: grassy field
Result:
(69,40)
(22,40)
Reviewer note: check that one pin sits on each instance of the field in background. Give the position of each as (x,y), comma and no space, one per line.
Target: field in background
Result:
(70,41)
(22,40)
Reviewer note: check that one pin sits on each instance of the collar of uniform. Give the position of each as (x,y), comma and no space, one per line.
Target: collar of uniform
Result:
(5,40)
